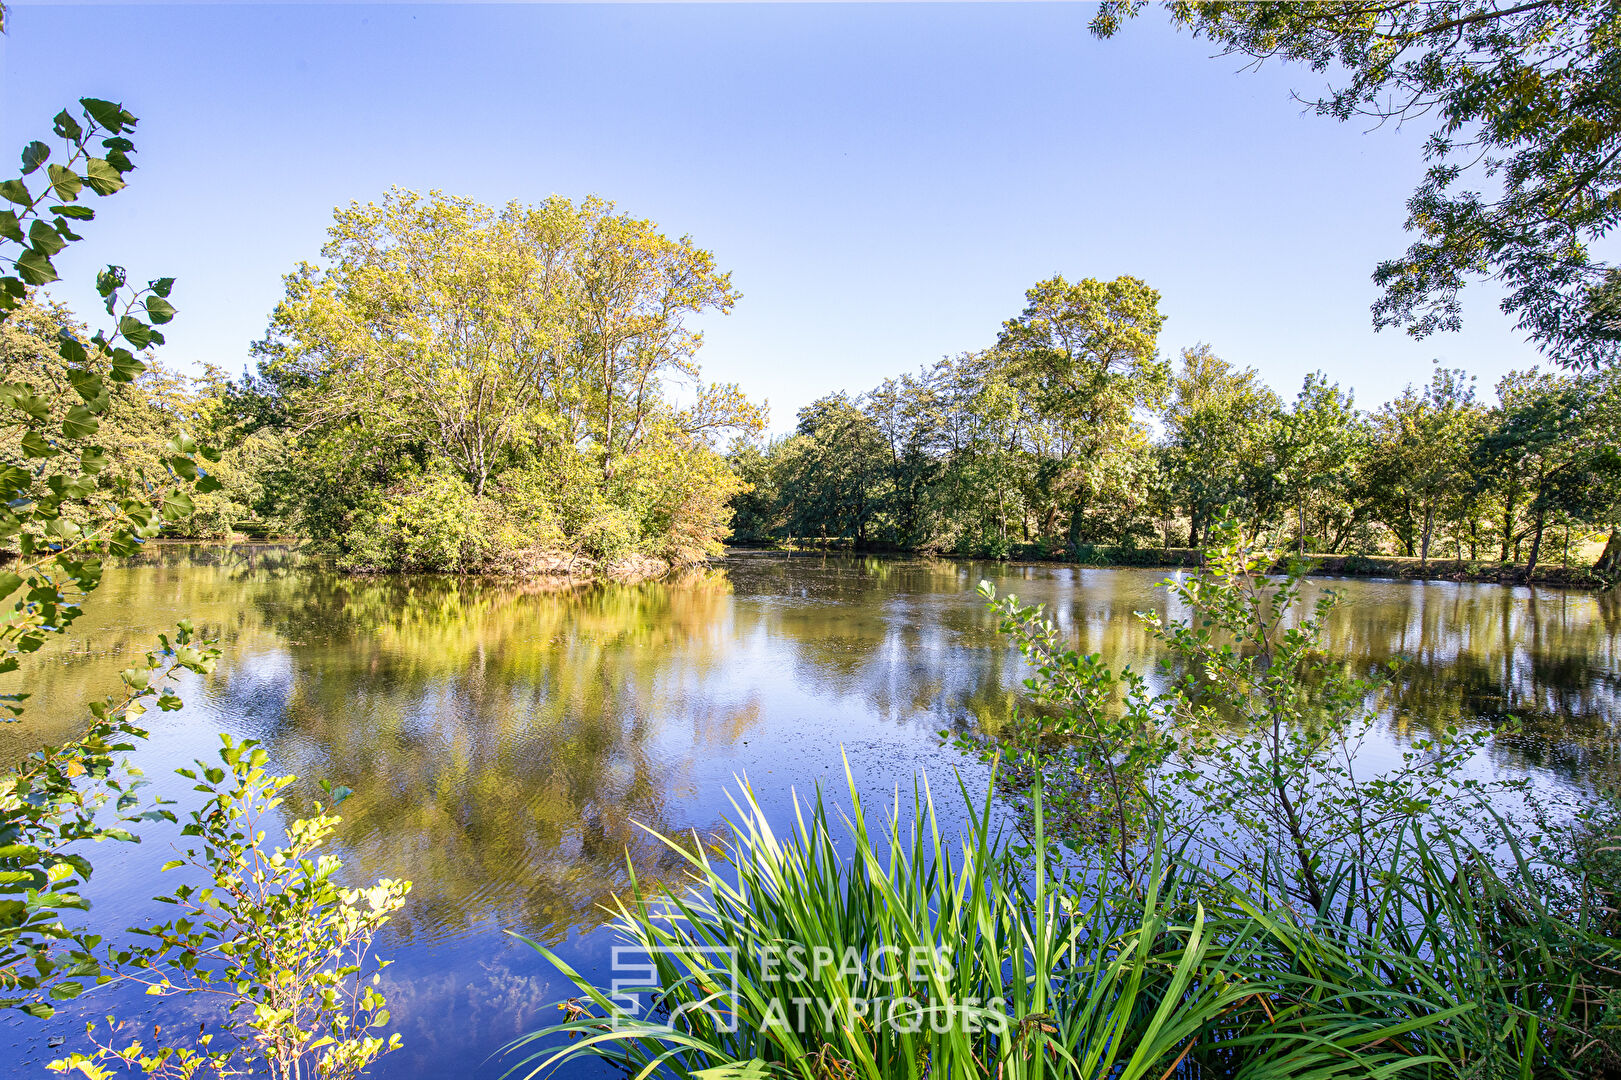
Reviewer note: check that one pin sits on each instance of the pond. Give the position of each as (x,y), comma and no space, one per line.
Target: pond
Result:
(505,741)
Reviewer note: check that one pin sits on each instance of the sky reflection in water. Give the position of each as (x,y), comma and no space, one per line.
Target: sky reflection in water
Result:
(504,740)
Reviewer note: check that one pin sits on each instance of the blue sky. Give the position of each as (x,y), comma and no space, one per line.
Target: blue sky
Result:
(884,181)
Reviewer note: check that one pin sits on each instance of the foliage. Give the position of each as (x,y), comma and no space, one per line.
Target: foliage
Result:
(1219,430)
(1025,972)
(1553,437)
(274,938)
(985,454)
(1420,456)
(139,421)
(50,805)
(1271,728)
(1524,155)
(1093,743)
(528,347)
(66,506)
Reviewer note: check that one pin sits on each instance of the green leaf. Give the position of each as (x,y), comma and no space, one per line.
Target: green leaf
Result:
(207,484)
(67,127)
(66,991)
(102,177)
(66,185)
(35,268)
(44,239)
(79,423)
(105,113)
(163,285)
(16,191)
(178,506)
(110,280)
(35,446)
(71,349)
(34,155)
(125,366)
(158,309)
(77,213)
(14,480)
(9,227)
(9,583)
(87,384)
(93,459)
(136,332)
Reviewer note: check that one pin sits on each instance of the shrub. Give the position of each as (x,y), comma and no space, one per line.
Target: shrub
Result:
(273,938)
(431,522)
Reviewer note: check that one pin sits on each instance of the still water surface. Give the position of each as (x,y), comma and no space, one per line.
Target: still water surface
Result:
(504,740)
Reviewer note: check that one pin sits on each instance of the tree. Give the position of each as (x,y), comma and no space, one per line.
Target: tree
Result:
(1321,442)
(1085,354)
(436,319)
(634,291)
(833,469)
(908,415)
(1422,448)
(1524,156)
(1556,435)
(530,350)
(1218,440)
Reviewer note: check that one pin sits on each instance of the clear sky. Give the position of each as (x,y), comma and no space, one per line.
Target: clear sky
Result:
(883,181)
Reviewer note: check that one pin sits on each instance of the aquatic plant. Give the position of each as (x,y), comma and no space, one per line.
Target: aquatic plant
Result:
(798,955)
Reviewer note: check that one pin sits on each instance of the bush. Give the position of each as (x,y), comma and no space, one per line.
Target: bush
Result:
(273,938)
(609,533)
(429,523)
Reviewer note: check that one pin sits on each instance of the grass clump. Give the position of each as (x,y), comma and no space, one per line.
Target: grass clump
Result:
(847,951)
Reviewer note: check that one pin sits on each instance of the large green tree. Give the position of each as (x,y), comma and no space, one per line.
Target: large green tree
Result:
(1083,358)
(1421,454)
(1523,158)
(539,349)
(1219,425)
(1557,436)
(1321,447)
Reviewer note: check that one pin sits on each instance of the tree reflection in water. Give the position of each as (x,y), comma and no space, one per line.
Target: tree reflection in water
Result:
(503,738)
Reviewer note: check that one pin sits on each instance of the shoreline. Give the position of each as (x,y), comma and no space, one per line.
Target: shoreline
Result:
(1390,567)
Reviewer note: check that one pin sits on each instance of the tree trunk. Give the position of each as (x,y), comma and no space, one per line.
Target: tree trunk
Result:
(1609,559)
(1511,499)
(1429,527)
(1076,517)
(1536,544)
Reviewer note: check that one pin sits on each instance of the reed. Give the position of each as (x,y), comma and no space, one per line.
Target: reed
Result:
(1042,971)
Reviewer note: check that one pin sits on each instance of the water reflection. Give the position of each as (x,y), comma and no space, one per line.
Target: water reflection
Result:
(504,738)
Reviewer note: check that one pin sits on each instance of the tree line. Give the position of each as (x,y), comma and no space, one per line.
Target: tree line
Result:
(1074,431)
(454,388)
